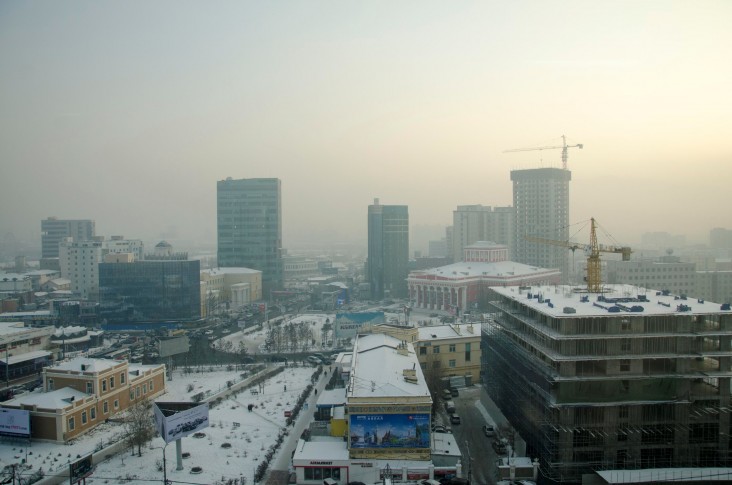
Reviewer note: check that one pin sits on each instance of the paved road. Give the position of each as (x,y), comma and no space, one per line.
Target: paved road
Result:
(280,468)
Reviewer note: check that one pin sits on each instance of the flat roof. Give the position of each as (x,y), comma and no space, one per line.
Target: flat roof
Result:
(337,449)
(10,328)
(473,269)
(561,296)
(439,332)
(378,365)
(57,399)
(332,397)
(711,474)
(445,444)
(91,365)
(217,271)
(14,359)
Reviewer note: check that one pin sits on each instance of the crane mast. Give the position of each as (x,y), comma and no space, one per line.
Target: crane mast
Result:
(593,250)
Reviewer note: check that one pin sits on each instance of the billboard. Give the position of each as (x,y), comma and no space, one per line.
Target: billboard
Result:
(176,420)
(379,431)
(80,469)
(173,346)
(347,325)
(15,422)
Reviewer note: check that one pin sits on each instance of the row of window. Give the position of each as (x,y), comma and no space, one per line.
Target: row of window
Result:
(134,394)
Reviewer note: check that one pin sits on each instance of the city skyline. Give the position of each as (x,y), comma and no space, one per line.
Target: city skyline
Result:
(129,119)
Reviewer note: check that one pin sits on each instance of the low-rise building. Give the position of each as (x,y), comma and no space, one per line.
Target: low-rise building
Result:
(81,393)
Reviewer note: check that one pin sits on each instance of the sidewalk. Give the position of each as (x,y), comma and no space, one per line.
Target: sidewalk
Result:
(493,414)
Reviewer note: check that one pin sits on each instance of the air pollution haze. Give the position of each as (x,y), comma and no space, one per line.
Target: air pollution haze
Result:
(128,113)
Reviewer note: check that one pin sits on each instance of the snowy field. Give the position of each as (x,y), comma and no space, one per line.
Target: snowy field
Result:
(248,434)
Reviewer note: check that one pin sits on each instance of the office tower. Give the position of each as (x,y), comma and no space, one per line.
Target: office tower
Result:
(249,217)
(473,223)
(79,262)
(157,289)
(720,238)
(388,251)
(541,201)
(120,245)
(54,230)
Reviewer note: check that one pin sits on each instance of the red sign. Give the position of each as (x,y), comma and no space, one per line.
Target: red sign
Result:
(288,414)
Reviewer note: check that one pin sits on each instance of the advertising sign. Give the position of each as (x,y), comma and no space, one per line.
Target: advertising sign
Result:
(177,420)
(390,431)
(80,469)
(347,325)
(14,422)
(173,346)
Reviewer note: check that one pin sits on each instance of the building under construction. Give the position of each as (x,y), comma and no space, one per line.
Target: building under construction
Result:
(622,379)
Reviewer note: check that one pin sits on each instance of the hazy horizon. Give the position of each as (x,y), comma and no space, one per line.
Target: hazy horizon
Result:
(128,113)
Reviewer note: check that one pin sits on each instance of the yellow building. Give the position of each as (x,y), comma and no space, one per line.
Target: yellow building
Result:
(81,393)
(450,351)
(233,286)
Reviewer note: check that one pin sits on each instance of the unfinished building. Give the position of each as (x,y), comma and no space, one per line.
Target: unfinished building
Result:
(623,379)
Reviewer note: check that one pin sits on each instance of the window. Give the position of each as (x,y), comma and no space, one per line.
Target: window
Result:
(452,363)
(122,378)
(104,385)
(452,348)
(111,382)
(50,384)
(105,407)
(93,413)
(132,394)
(116,404)
(625,365)
(151,384)
(625,345)
(89,388)
(436,364)
(423,351)
(72,424)
(83,417)
(137,391)
(436,349)
(144,388)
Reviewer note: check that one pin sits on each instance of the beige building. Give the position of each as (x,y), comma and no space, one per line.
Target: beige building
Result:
(81,393)
(450,351)
(235,286)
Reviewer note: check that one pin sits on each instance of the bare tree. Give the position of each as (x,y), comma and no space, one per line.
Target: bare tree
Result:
(139,426)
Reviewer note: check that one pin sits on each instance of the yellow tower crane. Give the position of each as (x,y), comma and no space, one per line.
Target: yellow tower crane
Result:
(563,146)
(593,250)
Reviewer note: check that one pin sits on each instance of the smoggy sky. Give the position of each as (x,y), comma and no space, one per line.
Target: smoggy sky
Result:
(129,112)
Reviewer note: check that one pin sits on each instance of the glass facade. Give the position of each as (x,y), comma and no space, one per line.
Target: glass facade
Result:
(249,222)
(388,252)
(149,291)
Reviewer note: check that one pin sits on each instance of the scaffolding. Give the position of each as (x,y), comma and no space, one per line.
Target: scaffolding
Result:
(624,391)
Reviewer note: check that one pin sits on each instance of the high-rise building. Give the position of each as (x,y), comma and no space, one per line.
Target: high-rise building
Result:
(473,223)
(54,230)
(541,201)
(388,251)
(249,215)
(720,238)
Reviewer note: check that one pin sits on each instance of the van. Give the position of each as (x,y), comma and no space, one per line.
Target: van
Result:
(450,407)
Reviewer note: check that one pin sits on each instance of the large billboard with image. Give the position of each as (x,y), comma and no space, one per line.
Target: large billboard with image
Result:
(14,422)
(389,431)
(177,420)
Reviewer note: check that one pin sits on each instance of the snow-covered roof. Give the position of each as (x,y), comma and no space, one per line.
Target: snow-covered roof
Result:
(332,397)
(10,328)
(553,300)
(41,272)
(472,269)
(378,368)
(14,359)
(445,444)
(90,365)
(439,332)
(57,399)
(330,450)
(676,475)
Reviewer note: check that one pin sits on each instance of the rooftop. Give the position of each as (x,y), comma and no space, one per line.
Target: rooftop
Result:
(89,365)
(555,301)
(378,369)
(230,270)
(472,269)
(439,332)
(57,399)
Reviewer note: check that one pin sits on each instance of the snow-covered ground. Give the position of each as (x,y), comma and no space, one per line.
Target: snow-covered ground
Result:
(249,434)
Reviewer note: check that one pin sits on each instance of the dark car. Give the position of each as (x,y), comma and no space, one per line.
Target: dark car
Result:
(454,392)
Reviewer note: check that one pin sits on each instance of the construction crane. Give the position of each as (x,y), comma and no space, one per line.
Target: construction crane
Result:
(563,146)
(593,250)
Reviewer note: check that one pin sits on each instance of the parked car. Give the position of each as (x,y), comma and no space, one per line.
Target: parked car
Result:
(488,430)
(454,392)
(450,407)
(454,419)
(499,447)
(446,394)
